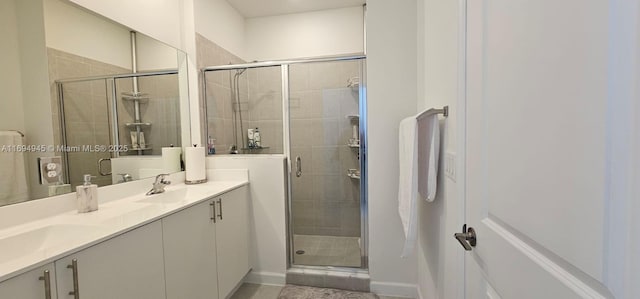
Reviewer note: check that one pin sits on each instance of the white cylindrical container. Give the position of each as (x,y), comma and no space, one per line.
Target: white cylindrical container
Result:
(195,165)
(171,159)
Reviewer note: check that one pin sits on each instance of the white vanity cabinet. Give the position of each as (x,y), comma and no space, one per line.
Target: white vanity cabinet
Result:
(232,239)
(128,266)
(207,247)
(31,285)
(189,247)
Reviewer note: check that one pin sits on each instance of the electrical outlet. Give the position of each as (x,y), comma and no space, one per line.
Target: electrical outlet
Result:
(50,169)
(450,165)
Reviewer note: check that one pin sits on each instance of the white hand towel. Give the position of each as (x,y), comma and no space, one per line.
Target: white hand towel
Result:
(13,177)
(408,182)
(428,155)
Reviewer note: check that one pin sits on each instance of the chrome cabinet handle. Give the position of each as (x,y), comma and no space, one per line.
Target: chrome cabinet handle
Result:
(100,167)
(47,284)
(467,238)
(74,268)
(213,211)
(220,203)
(298,166)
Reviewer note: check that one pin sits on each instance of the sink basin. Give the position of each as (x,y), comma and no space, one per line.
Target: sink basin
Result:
(28,242)
(168,197)
(131,217)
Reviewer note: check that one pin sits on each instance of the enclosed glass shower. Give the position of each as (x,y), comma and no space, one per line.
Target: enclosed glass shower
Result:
(101,118)
(314,112)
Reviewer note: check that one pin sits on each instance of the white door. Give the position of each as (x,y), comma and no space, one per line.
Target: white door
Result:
(232,239)
(539,135)
(189,239)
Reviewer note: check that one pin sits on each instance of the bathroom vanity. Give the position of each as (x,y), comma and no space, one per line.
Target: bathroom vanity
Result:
(190,242)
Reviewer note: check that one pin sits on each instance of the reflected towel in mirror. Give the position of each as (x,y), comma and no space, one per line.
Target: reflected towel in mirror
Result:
(13,178)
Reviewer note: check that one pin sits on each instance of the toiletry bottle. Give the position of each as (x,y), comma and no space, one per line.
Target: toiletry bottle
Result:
(257,142)
(87,196)
(211,146)
(141,141)
(250,138)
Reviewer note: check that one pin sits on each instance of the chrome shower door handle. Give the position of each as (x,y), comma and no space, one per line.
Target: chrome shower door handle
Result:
(298,166)
(467,238)
(100,167)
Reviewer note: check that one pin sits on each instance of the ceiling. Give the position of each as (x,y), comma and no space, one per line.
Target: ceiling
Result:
(261,8)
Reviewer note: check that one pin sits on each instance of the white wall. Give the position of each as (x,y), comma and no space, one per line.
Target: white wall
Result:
(392,92)
(35,88)
(160,19)
(439,255)
(220,23)
(154,55)
(320,33)
(73,30)
(12,112)
(268,213)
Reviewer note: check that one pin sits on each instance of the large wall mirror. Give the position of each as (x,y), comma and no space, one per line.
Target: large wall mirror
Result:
(82,94)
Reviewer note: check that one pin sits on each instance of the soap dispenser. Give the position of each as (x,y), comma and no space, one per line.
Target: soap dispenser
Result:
(87,196)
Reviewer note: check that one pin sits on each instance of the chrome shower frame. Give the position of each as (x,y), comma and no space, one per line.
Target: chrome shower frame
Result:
(364,219)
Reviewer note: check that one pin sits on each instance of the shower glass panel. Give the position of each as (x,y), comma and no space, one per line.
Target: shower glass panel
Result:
(87,122)
(325,182)
(240,100)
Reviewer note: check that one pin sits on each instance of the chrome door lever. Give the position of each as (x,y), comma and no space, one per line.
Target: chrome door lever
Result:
(467,238)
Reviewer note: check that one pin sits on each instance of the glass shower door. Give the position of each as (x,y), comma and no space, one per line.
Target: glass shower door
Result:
(86,129)
(324,152)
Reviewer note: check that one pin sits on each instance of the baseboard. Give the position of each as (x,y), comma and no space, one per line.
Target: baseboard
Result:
(270,278)
(395,289)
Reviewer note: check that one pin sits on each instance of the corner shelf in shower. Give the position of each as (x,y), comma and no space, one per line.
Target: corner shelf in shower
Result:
(131,149)
(140,97)
(351,145)
(353,173)
(129,125)
(254,148)
(353,82)
(353,116)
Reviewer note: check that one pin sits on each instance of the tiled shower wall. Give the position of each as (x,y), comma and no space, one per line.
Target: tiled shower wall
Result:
(325,200)
(264,107)
(260,101)
(219,100)
(162,110)
(87,106)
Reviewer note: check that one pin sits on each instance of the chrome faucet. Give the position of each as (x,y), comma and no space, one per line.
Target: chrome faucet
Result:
(159,184)
(125,178)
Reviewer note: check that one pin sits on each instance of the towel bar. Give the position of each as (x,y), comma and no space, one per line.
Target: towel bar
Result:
(444,111)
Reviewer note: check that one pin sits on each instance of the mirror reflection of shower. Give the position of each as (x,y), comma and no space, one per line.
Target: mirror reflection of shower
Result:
(237,112)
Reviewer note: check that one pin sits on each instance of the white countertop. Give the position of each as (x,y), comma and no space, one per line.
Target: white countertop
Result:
(29,245)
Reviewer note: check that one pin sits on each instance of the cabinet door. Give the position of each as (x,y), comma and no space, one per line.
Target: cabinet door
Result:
(29,285)
(129,266)
(232,239)
(189,253)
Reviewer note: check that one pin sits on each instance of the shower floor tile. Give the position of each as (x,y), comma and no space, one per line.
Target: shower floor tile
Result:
(327,251)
